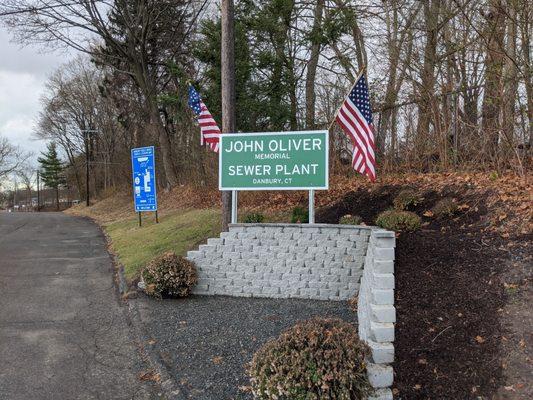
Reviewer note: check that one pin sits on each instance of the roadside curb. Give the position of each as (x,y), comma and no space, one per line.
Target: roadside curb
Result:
(168,385)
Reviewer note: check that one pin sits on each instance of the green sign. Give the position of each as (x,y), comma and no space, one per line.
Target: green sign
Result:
(274,161)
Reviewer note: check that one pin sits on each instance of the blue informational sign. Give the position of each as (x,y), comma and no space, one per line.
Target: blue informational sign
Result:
(144,187)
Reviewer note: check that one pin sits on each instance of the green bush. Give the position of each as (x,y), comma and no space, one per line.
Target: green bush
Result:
(300,215)
(254,218)
(350,220)
(314,360)
(396,220)
(169,275)
(445,208)
(406,199)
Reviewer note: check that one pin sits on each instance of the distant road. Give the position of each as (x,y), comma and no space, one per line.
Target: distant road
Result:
(63,334)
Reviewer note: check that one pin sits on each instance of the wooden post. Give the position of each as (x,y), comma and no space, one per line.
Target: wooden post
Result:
(156,217)
(228,88)
(140,219)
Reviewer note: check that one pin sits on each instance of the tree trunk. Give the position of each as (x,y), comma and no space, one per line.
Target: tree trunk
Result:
(57,198)
(510,85)
(525,34)
(228,89)
(492,102)
(164,144)
(427,85)
(310,96)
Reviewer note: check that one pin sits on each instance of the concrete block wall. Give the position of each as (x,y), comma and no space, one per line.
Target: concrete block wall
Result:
(323,262)
(376,313)
(318,261)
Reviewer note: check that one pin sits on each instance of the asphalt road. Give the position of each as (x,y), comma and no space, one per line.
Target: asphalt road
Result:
(63,333)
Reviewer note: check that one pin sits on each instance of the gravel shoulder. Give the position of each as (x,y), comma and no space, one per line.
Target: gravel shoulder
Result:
(204,342)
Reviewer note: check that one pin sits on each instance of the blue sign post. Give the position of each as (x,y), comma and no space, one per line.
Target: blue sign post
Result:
(144,185)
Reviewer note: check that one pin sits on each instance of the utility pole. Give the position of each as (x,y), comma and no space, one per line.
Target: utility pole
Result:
(228,89)
(15,195)
(86,135)
(38,191)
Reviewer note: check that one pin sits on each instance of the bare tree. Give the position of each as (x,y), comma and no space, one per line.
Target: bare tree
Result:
(27,175)
(130,36)
(11,158)
(316,46)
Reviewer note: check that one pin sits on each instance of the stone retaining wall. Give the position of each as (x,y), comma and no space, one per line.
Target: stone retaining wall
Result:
(317,261)
(376,314)
(311,261)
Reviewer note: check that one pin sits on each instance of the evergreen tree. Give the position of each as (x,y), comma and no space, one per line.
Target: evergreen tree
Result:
(52,169)
(263,98)
(250,112)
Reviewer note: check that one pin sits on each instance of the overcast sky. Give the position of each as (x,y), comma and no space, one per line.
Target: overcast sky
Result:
(23,73)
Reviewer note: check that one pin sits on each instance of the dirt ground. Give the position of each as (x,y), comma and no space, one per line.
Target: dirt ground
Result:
(464,326)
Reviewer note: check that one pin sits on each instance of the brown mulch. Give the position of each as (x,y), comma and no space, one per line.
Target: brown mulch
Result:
(464,321)
(450,295)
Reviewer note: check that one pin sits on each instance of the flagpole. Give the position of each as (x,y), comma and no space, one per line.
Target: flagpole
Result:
(350,91)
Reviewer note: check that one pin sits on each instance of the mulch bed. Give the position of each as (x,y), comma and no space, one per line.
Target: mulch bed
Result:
(448,296)
(206,341)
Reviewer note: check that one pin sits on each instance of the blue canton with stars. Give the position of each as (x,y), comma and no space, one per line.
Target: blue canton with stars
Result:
(359,96)
(194,100)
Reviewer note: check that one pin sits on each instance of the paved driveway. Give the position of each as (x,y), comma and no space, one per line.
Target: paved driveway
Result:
(63,334)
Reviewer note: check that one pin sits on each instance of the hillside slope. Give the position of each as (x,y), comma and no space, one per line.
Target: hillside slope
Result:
(464,323)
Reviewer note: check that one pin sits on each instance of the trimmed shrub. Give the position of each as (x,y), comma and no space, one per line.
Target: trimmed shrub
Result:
(350,220)
(396,220)
(314,360)
(406,199)
(445,208)
(169,275)
(300,215)
(254,218)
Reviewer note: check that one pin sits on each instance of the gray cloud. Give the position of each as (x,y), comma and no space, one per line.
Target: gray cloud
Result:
(23,73)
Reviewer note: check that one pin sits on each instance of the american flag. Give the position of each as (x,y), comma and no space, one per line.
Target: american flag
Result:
(209,131)
(355,119)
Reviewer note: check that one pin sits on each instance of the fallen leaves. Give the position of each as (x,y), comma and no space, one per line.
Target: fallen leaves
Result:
(480,339)
(149,376)
(217,360)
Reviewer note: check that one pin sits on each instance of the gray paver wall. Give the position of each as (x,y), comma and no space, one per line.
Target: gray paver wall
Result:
(317,261)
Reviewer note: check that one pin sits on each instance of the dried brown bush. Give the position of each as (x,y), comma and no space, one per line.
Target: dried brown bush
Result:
(169,275)
(445,208)
(317,359)
(398,221)
(349,219)
(406,199)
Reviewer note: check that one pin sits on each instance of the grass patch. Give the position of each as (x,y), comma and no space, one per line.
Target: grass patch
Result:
(177,231)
